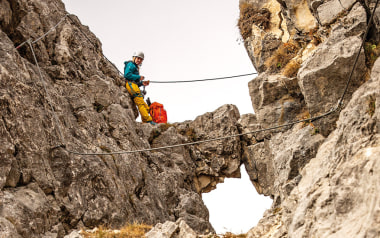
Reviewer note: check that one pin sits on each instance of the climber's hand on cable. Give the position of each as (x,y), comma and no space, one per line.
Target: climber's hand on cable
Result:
(146,83)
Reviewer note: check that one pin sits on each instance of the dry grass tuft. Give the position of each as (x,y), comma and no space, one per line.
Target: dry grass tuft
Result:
(165,126)
(134,230)
(371,105)
(372,52)
(230,235)
(306,115)
(227,235)
(190,133)
(291,69)
(282,56)
(303,116)
(250,15)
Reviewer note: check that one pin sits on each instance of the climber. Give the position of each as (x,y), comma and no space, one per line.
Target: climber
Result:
(134,81)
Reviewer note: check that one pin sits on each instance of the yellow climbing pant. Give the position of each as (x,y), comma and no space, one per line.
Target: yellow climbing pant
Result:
(135,92)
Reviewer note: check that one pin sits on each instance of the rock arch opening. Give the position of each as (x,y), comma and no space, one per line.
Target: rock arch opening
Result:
(235,206)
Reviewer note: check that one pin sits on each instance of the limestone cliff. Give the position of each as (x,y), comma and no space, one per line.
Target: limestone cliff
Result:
(323,174)
(46,190)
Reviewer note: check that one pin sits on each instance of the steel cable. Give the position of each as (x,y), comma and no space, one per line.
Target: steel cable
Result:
(152,81)
(202,80)
(47,94)
(41,37)
(64,145)
(358,54)
(201,141)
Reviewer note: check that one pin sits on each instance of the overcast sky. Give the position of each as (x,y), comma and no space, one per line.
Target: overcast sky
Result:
(185,40)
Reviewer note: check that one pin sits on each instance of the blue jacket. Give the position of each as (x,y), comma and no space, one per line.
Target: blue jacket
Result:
(131,72)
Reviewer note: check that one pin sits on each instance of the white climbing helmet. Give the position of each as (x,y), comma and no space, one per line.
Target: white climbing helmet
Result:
(139,54)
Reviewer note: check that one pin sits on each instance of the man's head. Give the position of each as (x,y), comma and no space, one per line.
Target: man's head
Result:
(138,57)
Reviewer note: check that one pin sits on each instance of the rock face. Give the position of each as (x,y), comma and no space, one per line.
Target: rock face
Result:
(172,230)
(320,174)
(323,76)
(277,99)
(48,191)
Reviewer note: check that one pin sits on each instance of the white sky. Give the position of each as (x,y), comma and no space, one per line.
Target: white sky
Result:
(185,40)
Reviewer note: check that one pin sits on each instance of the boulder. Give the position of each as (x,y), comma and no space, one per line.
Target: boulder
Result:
(276,99)
(329,11)
(274,164)
(323,76)
(178,229)
(74,234)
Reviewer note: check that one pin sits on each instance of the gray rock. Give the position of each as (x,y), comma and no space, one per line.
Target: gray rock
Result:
(323,185)
(185,231)
(216,159)
(340,179)
(323,76)
(298,16)
(193,212)
(263,42)
(269,226)
(27,208)
(166,230)
(274,164)
(169,229)
(74,234)
(95,114)
(259,166)
(330,10)
(7,229)
(276,100)
(338,187)
(247,124)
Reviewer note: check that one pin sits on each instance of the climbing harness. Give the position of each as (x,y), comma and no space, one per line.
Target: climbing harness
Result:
(64,145)
(134,93)
(143,92)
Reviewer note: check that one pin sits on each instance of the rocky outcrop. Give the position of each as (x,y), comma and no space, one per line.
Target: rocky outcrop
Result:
(323,76)
(276,99)
(224,161)
(46,190)
(172,230)
(319,173)
(337,187)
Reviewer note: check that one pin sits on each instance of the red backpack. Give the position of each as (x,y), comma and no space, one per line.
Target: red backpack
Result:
(158,113)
